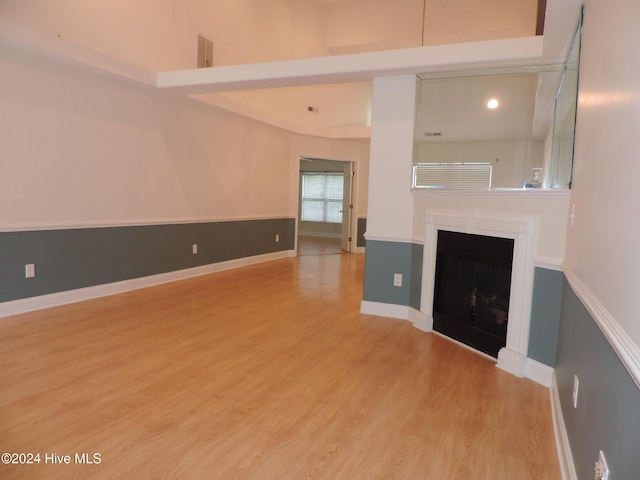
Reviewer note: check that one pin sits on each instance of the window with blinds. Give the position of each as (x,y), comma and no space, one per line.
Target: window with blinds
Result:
(458,176)
(322,197)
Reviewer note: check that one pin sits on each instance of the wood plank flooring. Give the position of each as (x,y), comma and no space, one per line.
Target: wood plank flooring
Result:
(264,372)
(308,245)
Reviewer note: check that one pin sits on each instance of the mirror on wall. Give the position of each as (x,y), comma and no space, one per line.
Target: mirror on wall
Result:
(509,128)
(560,163)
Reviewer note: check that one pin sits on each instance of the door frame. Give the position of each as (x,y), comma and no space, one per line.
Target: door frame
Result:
(348,229)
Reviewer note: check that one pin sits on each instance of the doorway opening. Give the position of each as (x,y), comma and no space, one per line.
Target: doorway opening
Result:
(325,207)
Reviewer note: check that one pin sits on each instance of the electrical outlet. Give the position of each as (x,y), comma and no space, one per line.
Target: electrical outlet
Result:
(574,395)
(397,279)
(194,248)
(29,270)
(601,470)
(277,238)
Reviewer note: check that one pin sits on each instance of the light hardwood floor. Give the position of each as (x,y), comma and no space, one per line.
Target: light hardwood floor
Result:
(265,372)
(308,245)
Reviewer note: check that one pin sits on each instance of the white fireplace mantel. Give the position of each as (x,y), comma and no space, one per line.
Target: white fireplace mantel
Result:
(523,229)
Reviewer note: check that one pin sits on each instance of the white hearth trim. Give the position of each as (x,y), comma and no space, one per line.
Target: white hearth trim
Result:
(512,362)
(523,229)
(420,320)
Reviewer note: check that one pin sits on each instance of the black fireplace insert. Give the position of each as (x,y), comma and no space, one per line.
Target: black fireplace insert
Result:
(472,287)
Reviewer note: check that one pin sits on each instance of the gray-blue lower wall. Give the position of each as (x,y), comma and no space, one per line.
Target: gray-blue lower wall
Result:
(607,416)
(383,260)
(545,315)
(68,259)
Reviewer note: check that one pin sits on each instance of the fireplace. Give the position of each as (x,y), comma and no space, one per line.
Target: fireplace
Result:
(521,232)
(472,289)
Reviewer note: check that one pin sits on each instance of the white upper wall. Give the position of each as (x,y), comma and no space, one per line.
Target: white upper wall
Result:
(602,246)
(455,21)
(367,25)
(390,200)
(161,35)
(82,149)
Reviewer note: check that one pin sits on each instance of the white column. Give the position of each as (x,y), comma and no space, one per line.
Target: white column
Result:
(390,212)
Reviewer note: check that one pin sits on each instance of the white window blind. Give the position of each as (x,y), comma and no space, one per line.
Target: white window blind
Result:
(322,197)
(460,176)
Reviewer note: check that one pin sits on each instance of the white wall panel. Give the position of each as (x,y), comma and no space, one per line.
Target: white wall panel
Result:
(392,126)
(161,35)
(602,249)
(454,21)
(79,148)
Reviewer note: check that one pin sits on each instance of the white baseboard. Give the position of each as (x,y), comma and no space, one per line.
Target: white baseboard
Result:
(539,372)
(521,366)
(512,362)
(16,307)
(421,320)
(384,310)
(565,458)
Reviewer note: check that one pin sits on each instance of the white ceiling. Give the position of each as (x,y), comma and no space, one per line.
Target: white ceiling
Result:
(454,107)
(343,105)
(337,105)
(331,111)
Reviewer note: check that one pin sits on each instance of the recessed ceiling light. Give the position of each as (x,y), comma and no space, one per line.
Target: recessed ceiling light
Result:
(493,103)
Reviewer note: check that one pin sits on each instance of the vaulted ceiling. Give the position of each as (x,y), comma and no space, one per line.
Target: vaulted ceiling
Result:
(344,110)
(332,107)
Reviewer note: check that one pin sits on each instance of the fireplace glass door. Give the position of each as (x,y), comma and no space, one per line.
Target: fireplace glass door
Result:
(472,287)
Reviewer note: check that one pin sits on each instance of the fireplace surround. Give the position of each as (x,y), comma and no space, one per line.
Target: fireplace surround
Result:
(522,229)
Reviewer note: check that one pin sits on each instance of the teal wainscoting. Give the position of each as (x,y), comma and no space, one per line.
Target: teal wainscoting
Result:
(383,260)
(607,416)
(545,315)
(69,259)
